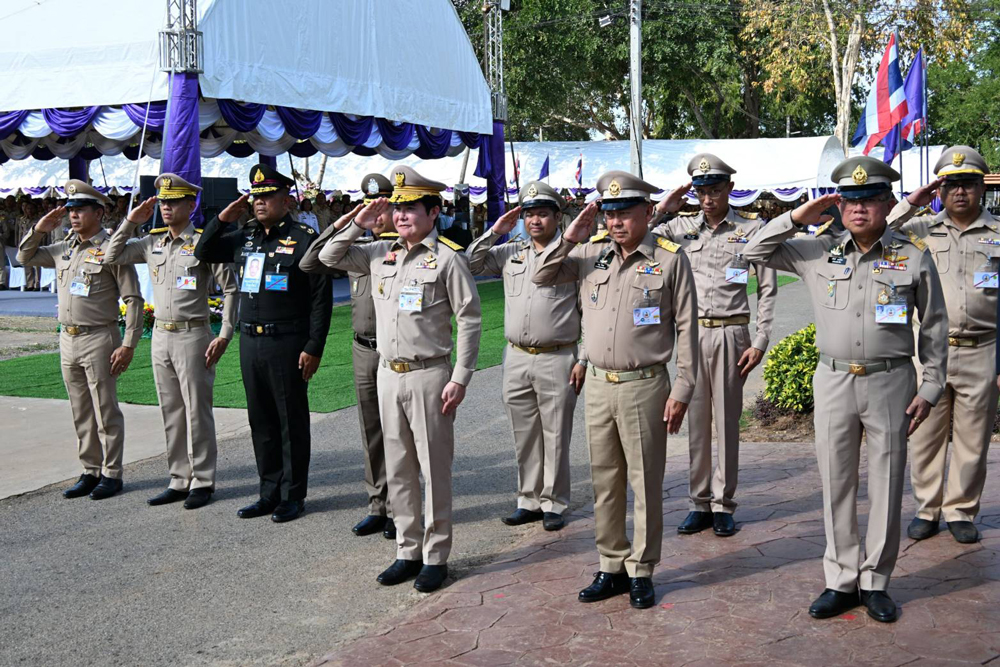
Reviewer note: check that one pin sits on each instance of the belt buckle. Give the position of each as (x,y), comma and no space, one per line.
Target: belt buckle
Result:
(400,366)
(857,369)
(612,377)
(73,331)
(259,329)
(531,350)
(169,326)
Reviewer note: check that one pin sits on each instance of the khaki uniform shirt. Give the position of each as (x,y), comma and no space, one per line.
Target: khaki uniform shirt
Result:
(613,286)
(172,263)
(534,315)
(959,255)
(433,273)
(711,252)
(87,260)
(846,290)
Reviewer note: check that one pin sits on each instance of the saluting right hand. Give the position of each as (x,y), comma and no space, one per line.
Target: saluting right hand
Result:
(345,219)
(674,201)
(142,212)
(368,217)
(811,213)
(925,194)
(50,220)
(232,212)
(506,222)
(579,230)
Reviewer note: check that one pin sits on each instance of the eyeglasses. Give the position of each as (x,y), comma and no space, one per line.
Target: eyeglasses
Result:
(714,193)
(868,202)
(965,186)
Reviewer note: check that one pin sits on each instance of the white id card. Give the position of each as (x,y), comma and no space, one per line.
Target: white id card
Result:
(735,275)
(79,287)
(187,283)
(411,298)
(893,313)
(643,317)
(253,273)
(985,280)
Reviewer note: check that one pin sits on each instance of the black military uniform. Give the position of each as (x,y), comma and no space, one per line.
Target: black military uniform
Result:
(283,312)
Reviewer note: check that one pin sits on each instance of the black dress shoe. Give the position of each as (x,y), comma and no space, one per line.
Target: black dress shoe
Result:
(198,498)
(964,532)
(921,529)
(260,508)
(553,521)
(695,522)
(723,524)
(606,585)
(167,497)
(288,510)
(522,516)
(833,603)
(83,486)
(880,606)
(641,595)
(430,578)
(399,571)
(370,525)
(389,532)
(107,487)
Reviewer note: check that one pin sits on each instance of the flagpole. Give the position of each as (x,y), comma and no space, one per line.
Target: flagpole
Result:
(926,175)
(899,142)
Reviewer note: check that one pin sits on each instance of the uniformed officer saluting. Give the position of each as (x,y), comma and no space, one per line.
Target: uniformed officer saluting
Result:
(364,354)
(419,281)
(638,293)
(965,241)
(868,284)
(90,344)
(713,241)
(184,350)
(541,375)
(284,321)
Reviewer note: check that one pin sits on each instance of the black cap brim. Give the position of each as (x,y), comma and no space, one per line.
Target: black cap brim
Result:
(863,191)
(539,203)
(710,179)
(622,204)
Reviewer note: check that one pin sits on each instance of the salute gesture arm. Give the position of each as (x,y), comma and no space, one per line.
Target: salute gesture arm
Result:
(671,203)
(581,228)
(50,220)
(925,194)
(505,223)
(232,212)
(811,213)
(367,218)
(141,213)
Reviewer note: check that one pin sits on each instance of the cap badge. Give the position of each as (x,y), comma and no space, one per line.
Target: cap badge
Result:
(532,191)
(258,177)
(860,176)
(957,159)
(165,183)
(71,189)
(372,186)
(704,166)
(614,189)
(400,179)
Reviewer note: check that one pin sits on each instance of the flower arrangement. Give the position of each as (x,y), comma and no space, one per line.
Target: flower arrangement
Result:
(149,316)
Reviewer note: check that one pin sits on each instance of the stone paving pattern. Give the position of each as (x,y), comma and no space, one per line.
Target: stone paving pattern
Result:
(739,600)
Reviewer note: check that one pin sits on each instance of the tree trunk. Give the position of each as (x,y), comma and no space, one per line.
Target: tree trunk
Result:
(322,171)
(843,68)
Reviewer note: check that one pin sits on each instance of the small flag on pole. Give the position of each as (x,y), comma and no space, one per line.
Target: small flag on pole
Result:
(544,173)
(904,137)
(579,172)
(886,101)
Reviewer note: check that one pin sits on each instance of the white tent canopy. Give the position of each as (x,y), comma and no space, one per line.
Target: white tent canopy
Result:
(61,53)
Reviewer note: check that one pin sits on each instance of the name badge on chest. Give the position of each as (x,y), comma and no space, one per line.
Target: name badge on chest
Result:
(411,298)
(645,312)
(187,283)
(891,308)
(276,282)
(80,286)
(253,273)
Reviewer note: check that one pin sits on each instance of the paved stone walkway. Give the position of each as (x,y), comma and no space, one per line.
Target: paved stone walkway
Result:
(740,600)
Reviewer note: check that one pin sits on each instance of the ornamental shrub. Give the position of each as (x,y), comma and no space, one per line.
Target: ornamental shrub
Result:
(789,370)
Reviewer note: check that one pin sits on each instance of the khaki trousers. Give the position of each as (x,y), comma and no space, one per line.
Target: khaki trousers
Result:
(4,271)
(366,390)
(540,402)
(968,406)
(628,445)
(184,387)
(718,392)
(32,277)
(419,440)
(93,398)
(846,405)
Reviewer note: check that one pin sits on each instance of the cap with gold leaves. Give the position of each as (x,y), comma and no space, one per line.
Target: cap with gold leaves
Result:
(171,186)
(79,193)
(707,169)
(961,163)
(408,185)
(375,186)
(537,194)
(620,190)
(861,177)
(265,179)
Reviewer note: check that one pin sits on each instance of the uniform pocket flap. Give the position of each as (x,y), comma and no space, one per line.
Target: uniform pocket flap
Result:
(834,271)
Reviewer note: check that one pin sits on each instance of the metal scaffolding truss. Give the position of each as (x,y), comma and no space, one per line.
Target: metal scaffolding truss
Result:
(181,46)
(493,28)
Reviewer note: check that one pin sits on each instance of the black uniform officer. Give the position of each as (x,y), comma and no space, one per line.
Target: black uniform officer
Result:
(284,319)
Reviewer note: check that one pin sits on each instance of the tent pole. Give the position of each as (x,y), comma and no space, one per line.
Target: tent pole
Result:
(291,167)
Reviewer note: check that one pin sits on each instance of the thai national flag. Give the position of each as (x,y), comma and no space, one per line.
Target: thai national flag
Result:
(579,172)
(886,101)
(904,136)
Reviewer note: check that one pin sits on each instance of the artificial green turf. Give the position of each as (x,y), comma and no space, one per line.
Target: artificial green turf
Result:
(332,388)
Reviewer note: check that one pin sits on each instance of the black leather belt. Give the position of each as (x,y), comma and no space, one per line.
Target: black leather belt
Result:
(273,329)
(365,342)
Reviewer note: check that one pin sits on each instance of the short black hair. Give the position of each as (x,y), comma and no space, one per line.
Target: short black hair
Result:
(429,202)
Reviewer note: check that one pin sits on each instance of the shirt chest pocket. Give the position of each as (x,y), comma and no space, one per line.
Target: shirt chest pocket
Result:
(940,248)
(595,289)
(513,278)
(158,267)
(382,281)
(833,284)
(359,285)
(892,287)
(646,292)
(92,275)
(427,280)
(695,251)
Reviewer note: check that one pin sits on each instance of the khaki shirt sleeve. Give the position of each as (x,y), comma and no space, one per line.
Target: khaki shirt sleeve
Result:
(464,299)
(123,249)
(932,337)
(310,262)
(773,246)
(226,279)
(767,297)
(341,253)
(32,253)
(128,291)
(483,261)
(686,322)
(559,265)
(901,219)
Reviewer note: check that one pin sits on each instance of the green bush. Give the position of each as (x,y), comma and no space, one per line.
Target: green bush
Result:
(789,370)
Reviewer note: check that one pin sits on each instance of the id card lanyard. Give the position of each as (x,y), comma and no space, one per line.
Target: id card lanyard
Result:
(645,312)
(739,271)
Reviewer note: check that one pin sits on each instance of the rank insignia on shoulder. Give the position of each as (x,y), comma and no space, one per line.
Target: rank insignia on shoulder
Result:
(747,215)
(917,241)
(599,236)
(451,244)
(669,246)
(159,230)
(389,235)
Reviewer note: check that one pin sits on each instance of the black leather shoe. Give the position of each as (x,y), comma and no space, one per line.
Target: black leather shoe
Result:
(521,517)
(553,521)
(370,525)
(399,572)
(833,603)
(964,532)
(106,488)
(389,532)
(288,510)
(167,497)
(921,529)
(880,606)
(198,498)
(83,486)
(723,524)
(695,522)
(430,578)
(260,508)
(606,585)
(641,595)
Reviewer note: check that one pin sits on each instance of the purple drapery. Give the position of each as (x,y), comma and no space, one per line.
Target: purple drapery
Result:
(79,168)
(396,137)
(299,123)
(495,177)
(69,123)
(157,115)
(241,117)
(10,121)
(353,132)
(181,144)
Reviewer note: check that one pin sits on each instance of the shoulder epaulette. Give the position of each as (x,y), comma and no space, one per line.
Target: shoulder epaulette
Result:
(159,230)
(825,226)
(306,228)
(389,235)
(747,215)
(669,246)
(917,241)
(451,244)
(687,214)
(198,231)
(599,236)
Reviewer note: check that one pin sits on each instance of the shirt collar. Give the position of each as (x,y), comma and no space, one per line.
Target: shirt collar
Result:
(985,220)
(885,240)
(430,242)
